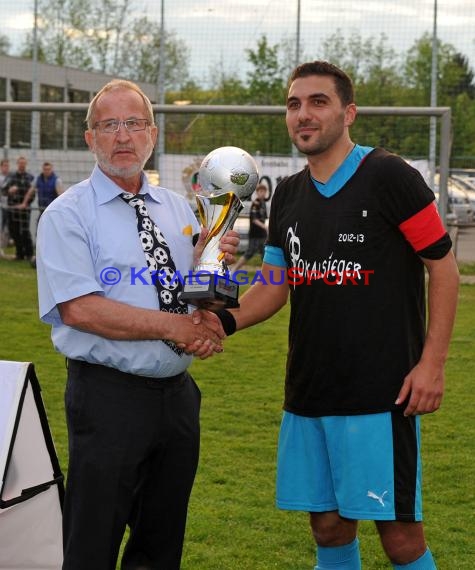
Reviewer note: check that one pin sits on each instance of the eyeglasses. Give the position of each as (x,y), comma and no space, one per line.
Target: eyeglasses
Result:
(113,125)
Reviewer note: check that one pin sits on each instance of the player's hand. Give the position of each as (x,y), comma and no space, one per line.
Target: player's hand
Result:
(228,245)
(205,347)
(422,390)
(200,245)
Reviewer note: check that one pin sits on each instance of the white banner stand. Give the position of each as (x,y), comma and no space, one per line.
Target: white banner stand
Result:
(31,492)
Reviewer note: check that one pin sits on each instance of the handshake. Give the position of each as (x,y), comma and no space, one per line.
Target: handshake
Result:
(202,333)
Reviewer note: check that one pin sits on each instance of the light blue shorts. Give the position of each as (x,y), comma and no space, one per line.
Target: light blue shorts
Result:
(365,466)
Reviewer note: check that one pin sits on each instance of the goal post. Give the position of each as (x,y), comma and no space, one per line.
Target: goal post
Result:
(63,156)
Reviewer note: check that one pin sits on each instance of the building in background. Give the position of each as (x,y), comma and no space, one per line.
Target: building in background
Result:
(59,133)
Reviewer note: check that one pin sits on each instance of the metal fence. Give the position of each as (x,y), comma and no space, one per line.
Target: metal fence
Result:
(176,169)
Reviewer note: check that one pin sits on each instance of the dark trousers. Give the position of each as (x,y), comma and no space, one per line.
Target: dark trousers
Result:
(133,455)
(256,245)
(19,229)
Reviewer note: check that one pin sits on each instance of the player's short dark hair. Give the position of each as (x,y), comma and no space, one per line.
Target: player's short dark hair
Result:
(343,83)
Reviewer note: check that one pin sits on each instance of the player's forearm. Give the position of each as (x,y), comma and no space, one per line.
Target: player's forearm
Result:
(263,299)
(442,305)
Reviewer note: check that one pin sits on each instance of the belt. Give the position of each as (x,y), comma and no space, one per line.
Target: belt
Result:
(114,374)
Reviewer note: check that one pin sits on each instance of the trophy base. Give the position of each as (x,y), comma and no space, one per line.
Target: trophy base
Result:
(210,291)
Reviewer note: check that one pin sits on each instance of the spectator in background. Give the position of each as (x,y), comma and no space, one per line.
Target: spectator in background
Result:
(4,173)
(257,227)
(48,186)
(4,170)
(17,187)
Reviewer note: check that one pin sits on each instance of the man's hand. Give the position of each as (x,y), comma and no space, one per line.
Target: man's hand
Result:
(201,334)
(423,388)
(205,348)
(228,245)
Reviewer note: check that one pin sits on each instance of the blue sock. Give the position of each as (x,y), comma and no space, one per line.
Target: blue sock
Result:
(346,557)
(425,562)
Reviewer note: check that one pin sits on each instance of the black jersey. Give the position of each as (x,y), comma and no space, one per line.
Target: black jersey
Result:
(23,181)
(357,319)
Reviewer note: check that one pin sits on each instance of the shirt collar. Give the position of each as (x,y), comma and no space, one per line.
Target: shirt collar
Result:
(106,189)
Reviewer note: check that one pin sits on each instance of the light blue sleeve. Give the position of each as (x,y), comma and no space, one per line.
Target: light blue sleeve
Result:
(274,256)
(65,271)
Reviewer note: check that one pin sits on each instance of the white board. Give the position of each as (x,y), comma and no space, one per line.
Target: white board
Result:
(31,483)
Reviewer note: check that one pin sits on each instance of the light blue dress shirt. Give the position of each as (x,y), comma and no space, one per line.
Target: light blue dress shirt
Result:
(88,243)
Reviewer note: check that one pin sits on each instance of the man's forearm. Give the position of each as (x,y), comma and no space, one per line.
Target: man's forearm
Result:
(119,321)
(112,319)
(263,299)
(442,305)
(29,196)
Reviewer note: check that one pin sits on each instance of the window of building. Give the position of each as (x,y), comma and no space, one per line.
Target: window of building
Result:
(20,120)
(3,114)
(51,122)
(76,121)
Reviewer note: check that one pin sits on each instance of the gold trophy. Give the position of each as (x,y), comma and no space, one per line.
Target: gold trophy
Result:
(227,175)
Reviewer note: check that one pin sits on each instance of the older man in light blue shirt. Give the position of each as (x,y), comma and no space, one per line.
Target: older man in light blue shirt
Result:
(96,250)
(132,408)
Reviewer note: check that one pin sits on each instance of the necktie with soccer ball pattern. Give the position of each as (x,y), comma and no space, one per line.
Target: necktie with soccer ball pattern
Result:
(159,260)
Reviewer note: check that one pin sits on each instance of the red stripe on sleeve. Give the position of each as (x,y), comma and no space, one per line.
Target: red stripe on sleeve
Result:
(424,228)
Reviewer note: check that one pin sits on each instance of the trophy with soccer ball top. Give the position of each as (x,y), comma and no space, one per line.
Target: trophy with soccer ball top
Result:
(226,175)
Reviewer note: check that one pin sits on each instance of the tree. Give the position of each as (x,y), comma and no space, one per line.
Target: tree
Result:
(60,34)
(104,27)
(265,84)
(4,45)
(455,87)
(102,35)
(288,56)
(373,66)
(223,130)
(457,77)
(369,62)
(453,73)
(463,144)
(381,82)
(139,55)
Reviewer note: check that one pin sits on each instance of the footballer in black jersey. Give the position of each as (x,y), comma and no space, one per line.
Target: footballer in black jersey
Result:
(355,231)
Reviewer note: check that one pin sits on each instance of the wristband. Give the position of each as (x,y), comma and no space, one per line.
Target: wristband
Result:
(227,320)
